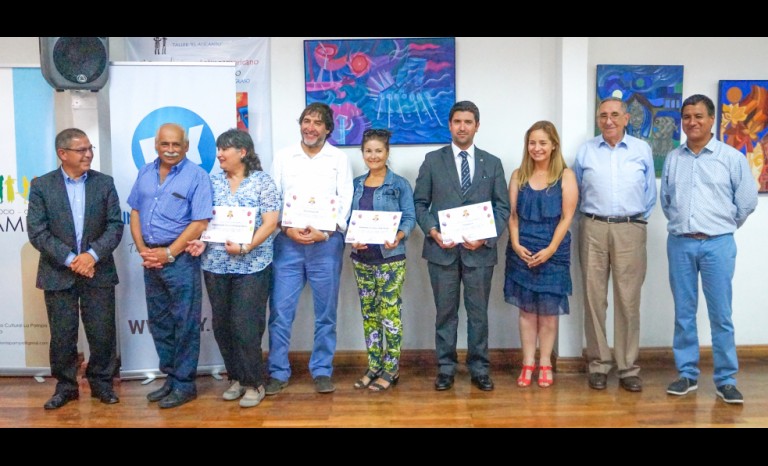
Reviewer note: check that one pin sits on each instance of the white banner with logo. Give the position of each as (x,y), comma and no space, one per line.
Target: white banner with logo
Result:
(143,96)
(27,131)
(251,58)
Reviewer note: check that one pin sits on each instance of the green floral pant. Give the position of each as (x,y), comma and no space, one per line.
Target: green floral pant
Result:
(379,287)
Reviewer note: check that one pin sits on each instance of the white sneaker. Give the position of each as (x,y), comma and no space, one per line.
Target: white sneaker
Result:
(234,391)
(252,397)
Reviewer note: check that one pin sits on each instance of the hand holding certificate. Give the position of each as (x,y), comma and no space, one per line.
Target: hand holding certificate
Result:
(473,222)
(373,227)
(235,224)
(301,210)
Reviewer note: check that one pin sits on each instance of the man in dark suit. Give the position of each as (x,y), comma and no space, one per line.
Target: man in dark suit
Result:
(454,176)
(74,220)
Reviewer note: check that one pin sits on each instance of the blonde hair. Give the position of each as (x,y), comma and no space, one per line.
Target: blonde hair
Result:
(556,161)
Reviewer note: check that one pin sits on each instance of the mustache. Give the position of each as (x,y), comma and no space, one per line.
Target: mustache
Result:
(171,154)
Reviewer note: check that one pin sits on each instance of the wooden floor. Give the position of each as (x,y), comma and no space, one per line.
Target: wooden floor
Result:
(412,403)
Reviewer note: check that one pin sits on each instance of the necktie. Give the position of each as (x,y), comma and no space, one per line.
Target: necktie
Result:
(465,181)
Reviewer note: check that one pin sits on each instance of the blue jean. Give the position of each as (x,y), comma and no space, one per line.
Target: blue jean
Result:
(174,307)
(715,260)
(294,265)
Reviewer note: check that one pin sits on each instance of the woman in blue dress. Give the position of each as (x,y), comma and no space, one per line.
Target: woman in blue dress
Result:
(543,195)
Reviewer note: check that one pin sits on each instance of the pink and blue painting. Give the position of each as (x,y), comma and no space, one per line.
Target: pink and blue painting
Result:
(404,85)
(743,123)
(654,94)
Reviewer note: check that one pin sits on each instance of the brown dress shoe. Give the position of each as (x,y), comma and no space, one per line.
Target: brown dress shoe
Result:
(631,384)
(598,381)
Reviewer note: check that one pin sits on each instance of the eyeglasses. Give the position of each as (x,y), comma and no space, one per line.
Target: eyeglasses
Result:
(613,116)
(82,151)
(377,132)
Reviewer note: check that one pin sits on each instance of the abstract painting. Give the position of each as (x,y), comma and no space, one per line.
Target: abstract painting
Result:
(654,94)
(743,123)
(405,85)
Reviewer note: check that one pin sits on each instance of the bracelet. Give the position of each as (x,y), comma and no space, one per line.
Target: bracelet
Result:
(243,250)
(327,236)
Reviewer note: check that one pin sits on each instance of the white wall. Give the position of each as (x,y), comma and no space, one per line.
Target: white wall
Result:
(515,82)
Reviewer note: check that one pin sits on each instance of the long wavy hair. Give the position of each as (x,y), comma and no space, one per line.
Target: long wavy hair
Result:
(240,139)
(556,161)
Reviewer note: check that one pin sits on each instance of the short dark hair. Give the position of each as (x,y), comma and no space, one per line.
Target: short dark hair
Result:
(465,106)
(697,98)
(240,139)
(323,110)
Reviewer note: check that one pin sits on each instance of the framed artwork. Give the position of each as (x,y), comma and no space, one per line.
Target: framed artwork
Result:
(405,85)
(654,95)
(743,123)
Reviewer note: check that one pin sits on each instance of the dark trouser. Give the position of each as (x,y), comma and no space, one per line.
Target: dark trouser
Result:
(174,307)
(97,307)
(446,287)
(239,308)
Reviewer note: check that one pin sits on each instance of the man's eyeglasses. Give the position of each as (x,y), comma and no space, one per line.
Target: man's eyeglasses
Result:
(613,116)
(82,151)
(376,132)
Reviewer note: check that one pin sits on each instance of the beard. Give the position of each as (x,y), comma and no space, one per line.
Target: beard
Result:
(318,143)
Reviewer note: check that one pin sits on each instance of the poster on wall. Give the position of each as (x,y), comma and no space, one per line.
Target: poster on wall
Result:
(27,129)
(404,85)
(251,75)
(743,123)
(654,95)
(188,94)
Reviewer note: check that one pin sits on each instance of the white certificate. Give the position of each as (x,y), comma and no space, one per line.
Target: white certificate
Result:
(235,224)
(372,226)
(473,222)
(301,210)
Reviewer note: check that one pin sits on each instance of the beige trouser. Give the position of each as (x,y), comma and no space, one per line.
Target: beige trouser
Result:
(617,248)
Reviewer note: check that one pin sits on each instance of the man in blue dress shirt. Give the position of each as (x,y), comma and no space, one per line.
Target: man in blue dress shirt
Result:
(171,204)
(707,192)
(617,187)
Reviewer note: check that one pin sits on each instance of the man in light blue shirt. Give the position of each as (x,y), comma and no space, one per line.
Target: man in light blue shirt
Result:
(707,192)
(617,192)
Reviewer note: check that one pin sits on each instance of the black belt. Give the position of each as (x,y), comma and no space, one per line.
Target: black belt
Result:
(153,245)
(696,235)
(633,219)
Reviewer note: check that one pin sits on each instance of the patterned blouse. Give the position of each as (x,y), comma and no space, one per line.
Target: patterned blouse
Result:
(259,191)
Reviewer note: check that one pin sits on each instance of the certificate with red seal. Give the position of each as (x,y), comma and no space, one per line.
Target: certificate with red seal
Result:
(372,226)
(235,224)
(302,210)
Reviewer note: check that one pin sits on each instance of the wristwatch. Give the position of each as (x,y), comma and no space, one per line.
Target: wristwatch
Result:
(327,236)
(171,259)
(243,250)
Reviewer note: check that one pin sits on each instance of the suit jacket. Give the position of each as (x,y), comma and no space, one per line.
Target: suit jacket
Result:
(438,187)
(51,229)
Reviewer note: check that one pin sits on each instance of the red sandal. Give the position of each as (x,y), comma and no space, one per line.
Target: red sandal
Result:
(525,376)
(546,378)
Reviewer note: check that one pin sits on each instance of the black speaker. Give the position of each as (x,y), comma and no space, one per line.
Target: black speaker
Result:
(75,63)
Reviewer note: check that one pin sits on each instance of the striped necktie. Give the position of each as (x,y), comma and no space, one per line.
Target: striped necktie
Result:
(465,181)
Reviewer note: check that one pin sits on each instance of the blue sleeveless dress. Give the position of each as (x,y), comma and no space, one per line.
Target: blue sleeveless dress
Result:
(543,290)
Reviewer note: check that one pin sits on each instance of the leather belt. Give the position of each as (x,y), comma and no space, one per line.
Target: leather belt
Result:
(633,219)
(154,245)
(699,236)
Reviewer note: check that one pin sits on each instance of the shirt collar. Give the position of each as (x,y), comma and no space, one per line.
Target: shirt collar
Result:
(67,179)
(470,150)
(622,141)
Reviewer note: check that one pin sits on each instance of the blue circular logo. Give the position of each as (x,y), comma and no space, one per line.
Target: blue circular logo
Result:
(202,143)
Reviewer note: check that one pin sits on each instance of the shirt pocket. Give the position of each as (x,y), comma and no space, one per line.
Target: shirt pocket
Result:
(173,208)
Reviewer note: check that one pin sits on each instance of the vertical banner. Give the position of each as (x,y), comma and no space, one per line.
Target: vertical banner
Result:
(251,57)
(27,129)
(142,97)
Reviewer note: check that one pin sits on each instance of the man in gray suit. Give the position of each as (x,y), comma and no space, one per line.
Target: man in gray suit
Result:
(454,176)
(74,220)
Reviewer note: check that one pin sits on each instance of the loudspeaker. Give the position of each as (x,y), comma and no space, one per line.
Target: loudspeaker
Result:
(77,63)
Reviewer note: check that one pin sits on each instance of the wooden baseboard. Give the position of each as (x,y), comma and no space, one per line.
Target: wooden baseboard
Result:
(509,359)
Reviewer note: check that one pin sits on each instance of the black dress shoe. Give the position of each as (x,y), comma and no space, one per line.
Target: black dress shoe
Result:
(60,399)
(108,397)
(631,384)
(160,393)
(598,381)
(176,398)
(443,382)
(483,382)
